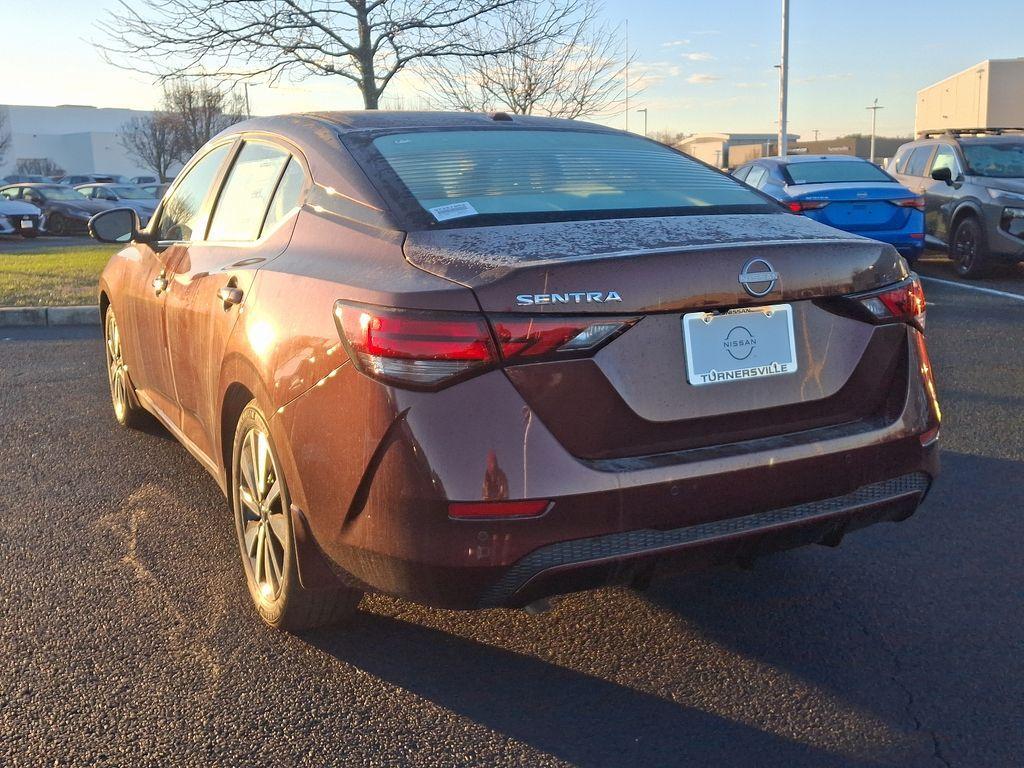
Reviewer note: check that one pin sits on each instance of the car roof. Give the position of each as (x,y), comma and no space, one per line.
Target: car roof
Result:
(36,185)
(299,126)
(793,159)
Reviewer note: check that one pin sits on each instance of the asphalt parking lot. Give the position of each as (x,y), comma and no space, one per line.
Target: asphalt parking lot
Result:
(127,638)
(18,244)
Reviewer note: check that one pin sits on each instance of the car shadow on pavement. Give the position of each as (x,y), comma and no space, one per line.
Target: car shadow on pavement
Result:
(881,639)
(576,717)
(915,624)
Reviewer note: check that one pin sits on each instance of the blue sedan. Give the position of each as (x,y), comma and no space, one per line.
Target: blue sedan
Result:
(845,192)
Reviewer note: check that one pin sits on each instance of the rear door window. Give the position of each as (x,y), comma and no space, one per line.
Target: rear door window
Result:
(757,176)
(250,185)
(741,173)
(288,196)
(917,165)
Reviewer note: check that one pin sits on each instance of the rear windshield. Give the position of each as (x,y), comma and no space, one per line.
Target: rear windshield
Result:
(835,172)
(1000,161)
(529,174)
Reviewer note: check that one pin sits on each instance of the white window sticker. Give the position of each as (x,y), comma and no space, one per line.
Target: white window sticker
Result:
(453,211)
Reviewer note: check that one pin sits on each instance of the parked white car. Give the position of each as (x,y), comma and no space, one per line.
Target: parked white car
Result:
(19,218)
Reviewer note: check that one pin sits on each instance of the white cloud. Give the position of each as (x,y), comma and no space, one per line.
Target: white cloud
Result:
(702,79)
(699,56)
(675,43)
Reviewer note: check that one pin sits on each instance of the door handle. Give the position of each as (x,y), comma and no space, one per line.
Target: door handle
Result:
(229,294)
(160,284)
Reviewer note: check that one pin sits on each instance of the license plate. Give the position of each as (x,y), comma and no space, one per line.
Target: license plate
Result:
(740,344)
(26,224)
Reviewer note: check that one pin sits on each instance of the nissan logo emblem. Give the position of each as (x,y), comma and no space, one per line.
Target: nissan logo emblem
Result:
(758,277)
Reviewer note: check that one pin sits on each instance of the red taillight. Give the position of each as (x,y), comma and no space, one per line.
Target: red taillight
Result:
(910,202)
(799,206)
(490,510)
(426,350)
(419,349)
(529,338)
(904,303)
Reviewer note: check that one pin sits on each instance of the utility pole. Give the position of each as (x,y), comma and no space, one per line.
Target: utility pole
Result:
(627,75)
(784,79)
(874,122)
(248,113)
(816,132)
(644,110)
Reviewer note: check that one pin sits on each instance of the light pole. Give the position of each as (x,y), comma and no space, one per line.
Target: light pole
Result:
(644,110)
(874,122)
(626,76)
(784,79)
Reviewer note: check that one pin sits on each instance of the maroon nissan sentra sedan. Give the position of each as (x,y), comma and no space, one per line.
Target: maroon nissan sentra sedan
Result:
(477,360)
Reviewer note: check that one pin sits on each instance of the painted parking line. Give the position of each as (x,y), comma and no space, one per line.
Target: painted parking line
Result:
(978,288)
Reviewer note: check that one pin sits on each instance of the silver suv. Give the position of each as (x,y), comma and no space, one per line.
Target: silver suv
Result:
(973,185)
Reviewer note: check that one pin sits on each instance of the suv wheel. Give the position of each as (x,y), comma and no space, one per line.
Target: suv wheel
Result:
(968,249)
(260,502)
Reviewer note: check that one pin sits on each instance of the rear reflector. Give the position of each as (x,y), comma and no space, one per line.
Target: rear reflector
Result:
(490,510)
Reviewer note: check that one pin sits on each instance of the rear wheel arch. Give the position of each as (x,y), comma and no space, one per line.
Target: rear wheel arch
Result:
(104,305)
(236,397)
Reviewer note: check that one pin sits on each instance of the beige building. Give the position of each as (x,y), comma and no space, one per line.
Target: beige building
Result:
(987,95)
(727,150)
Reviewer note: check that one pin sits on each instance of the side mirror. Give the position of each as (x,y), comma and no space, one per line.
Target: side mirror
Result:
(118,225)
(943,174)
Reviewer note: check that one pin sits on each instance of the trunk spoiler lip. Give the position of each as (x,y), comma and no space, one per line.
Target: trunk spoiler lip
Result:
(631,252)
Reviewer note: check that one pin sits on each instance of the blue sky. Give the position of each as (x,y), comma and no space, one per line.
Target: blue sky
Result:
(706,65)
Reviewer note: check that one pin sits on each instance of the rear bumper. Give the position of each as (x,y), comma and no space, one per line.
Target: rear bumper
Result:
(374,487)
(639,555)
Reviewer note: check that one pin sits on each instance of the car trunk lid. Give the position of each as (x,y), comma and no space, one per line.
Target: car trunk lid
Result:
(856,207)
(634,396)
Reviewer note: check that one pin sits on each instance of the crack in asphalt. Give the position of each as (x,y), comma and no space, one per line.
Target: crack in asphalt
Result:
(898,681)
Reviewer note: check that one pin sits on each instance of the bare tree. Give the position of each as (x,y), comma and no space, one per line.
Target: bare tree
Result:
(365,41)
(38,166)
(200,110)
(153,141)
(575,69)
(5,135)
(671,138)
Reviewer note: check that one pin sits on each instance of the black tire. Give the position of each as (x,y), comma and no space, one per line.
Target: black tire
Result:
(968,249)
(266,541)
(127,410)
(56,224)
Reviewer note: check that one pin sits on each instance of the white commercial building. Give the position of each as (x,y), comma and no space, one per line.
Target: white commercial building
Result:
(988,95)
(80,139)
(727,150)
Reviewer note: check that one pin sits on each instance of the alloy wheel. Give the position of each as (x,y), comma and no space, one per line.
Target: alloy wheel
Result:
(56,225)
(117,371)
(965,248)
(262,511)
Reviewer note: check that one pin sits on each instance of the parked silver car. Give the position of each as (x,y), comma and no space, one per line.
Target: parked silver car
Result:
(124,196)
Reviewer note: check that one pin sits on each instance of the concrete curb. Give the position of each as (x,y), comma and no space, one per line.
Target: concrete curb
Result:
(29,317)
